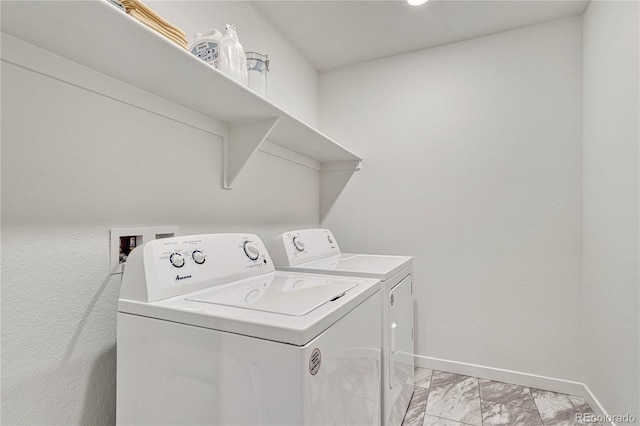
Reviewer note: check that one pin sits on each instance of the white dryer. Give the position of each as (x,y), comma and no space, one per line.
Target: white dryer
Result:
(209,333)
(317,251)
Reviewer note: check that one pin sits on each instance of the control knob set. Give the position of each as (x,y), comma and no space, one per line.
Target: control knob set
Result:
(251,250)
(177,258)
(298,243)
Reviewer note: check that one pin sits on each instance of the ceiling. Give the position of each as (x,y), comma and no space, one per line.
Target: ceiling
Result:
(335,34)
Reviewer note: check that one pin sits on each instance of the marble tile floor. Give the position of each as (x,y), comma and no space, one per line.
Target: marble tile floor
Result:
(447,399)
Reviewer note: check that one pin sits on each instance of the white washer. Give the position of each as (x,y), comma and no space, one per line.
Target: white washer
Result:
(209,333)
(316,251)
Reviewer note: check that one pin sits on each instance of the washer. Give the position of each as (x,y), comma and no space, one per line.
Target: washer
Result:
(209,333)
(317,251)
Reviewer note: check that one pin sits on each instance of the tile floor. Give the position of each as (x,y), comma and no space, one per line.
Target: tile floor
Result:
(447,399)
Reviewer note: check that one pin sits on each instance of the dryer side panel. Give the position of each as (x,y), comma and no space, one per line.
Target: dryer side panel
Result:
(400,363)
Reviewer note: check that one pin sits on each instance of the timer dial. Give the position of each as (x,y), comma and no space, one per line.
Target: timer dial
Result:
(198,257)
(298,243)
(177,259)
(251,250)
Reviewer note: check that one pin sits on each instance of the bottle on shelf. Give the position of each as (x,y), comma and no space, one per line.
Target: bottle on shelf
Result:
(233,61)
(206,46)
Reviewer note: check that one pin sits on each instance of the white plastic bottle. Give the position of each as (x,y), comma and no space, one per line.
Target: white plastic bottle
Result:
(233,61)
(206,46)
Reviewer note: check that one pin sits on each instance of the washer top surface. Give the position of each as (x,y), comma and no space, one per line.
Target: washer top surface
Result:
(280,306)
(281,294)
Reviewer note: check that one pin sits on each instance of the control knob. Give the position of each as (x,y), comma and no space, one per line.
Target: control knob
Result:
(177,259)
(298,243)
(198,257)
(251,250)
(330,239)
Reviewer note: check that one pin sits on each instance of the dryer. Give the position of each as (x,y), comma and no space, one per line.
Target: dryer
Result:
(317,251)
(209,333)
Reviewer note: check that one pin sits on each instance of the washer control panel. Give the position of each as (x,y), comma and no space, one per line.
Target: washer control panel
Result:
(179,265)
(295,247)
(251,249)
(298,243)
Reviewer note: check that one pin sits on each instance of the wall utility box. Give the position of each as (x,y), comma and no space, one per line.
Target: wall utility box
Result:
(124,240)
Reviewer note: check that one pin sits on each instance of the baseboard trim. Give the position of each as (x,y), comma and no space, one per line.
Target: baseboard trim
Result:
(595,404)
(515,377)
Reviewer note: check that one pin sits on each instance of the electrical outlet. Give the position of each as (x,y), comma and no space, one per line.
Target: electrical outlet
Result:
(124,240)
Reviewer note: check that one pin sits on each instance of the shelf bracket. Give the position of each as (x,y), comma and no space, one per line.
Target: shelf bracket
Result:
(243,139)
(334,176)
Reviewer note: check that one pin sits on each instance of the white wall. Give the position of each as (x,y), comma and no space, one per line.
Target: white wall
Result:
(472,164)
(74,165)
(611,138)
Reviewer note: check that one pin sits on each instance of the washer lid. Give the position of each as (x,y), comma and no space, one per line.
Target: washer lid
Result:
(201,308)
(293,295)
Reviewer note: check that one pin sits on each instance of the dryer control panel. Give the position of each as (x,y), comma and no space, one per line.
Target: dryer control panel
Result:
(295,247)
(174,266)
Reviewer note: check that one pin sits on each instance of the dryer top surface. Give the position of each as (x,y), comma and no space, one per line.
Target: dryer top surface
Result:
(381,267)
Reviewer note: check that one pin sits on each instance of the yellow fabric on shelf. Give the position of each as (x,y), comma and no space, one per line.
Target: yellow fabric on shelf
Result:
(143,8)
(147,16)
(154,25)
(170,28)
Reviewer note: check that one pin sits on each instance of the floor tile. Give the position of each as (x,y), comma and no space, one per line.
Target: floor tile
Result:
(557,409)
(415,412)
(402,404)
(580,404)
(447,399)
(423,377)
(498,414)
(439,421)
(506,393)
(454,397)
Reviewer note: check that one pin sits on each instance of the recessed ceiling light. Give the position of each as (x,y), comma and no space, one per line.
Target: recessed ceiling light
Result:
(416,2)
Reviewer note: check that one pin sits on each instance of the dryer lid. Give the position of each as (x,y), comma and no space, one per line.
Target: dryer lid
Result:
(295,295)
(381,267)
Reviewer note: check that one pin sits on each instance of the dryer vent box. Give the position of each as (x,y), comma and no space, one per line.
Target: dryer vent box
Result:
(124,240)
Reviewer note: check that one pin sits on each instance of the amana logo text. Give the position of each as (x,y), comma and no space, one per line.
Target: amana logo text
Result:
(178,277)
